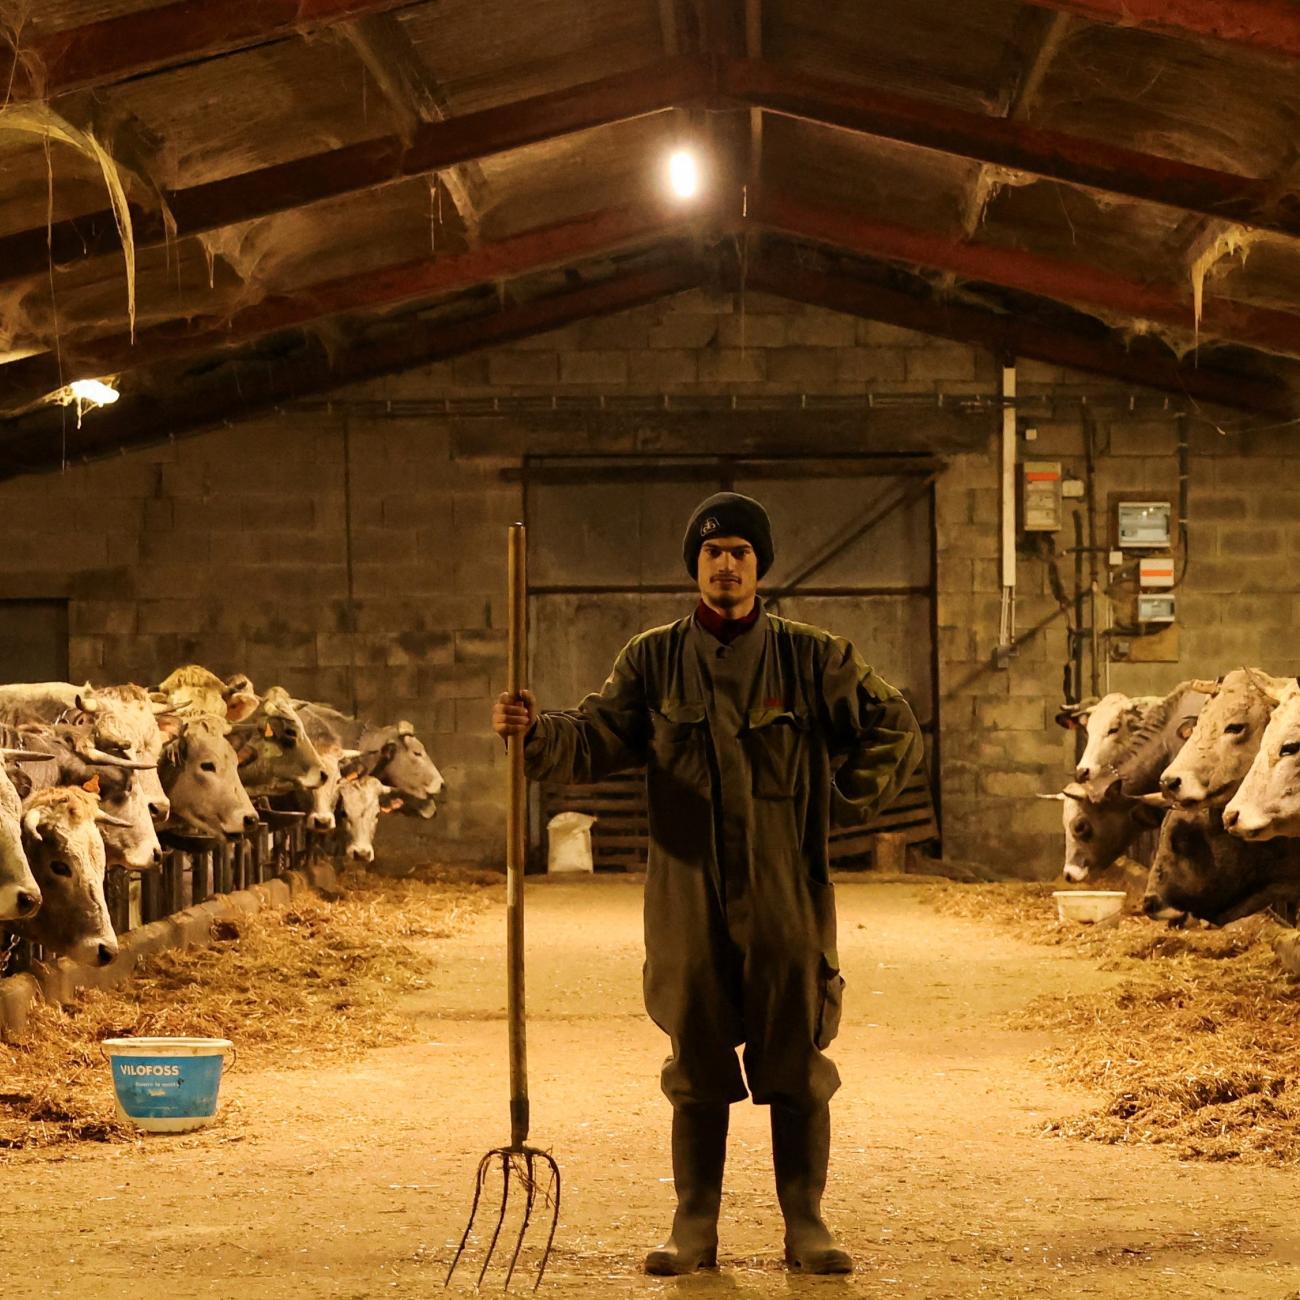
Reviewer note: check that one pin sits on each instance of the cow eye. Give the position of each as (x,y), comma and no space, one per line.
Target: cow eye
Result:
(1083,830)
(60,868)
(1114,731)
(208,765)
(1234,729)
(1290,749)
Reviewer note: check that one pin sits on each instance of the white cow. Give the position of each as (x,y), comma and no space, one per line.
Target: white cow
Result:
(1267,803)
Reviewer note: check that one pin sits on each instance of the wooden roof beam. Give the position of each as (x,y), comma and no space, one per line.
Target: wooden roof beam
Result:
(1271,26)
(1018,146)
(593,235)
(33,443)
(1143,361)
(149,40)
(434,147)
(1076,283)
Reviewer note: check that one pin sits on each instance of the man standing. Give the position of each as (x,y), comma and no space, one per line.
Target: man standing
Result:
(756,733)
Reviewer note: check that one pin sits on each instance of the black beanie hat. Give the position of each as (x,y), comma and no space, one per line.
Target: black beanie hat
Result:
(728,514)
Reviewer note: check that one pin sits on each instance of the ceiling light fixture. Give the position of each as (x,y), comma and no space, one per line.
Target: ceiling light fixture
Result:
(84,394)
(684,174)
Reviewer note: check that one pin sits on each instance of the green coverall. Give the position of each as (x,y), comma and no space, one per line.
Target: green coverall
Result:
(751,750)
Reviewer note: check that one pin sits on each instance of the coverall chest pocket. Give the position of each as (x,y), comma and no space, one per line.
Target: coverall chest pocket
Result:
(776,740)
(677,743)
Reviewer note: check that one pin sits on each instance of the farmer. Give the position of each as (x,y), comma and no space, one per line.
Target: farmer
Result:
(755,732)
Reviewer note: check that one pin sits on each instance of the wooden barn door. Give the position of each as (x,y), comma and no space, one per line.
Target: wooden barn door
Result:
(855,555)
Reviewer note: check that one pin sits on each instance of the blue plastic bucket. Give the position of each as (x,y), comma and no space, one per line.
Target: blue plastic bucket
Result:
(167,1085)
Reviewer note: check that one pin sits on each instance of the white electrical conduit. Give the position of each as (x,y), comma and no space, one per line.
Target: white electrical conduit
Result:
(1007,622)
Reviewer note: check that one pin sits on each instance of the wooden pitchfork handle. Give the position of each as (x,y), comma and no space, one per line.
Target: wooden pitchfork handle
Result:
(516,680)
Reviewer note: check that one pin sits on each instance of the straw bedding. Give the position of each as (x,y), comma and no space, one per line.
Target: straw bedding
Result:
(319,978)
(1197,1046)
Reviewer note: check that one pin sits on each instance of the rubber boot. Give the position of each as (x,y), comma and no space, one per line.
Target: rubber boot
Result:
(801,1146)
(699,1152)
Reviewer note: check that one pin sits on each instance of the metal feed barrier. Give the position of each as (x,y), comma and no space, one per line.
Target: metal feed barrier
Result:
(193,869)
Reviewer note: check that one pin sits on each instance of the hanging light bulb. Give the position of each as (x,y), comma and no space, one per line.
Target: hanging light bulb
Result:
(684,174)
(93,392)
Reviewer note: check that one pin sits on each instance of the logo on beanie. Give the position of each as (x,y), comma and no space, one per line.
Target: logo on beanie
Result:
(710,525)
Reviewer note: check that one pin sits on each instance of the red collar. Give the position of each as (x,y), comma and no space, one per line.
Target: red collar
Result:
(725,630)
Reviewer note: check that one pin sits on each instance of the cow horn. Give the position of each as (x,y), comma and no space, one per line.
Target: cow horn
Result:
(161,706)
(1074,791)
(1204,687)
(1153,800)
(32,823)
(1058,796)
(1261,683)
(93,754)
(105,819)
(86,701)
(24,756)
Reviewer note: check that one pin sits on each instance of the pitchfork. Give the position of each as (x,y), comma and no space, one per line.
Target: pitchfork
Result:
(518,1162)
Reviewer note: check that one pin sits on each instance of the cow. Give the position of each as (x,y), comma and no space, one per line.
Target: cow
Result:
(1222,745)
(193,689)
(66,852)
(130,839)
(1201,870)
(20,895)
(281,751)
(1109,724)
(1098,832)
(361,800)
(1267,803)
(123,719)
(200,772)
(393,753)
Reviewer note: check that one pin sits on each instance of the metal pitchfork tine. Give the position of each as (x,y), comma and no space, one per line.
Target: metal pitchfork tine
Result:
(519,1162)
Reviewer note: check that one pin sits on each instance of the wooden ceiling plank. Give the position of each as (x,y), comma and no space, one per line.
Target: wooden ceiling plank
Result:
(593,235)
(1143,362)
(1076,283)
(1272,26)
(33,443)
(112,49)
(435,147)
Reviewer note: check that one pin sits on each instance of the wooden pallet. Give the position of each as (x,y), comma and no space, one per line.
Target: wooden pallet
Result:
(620,839)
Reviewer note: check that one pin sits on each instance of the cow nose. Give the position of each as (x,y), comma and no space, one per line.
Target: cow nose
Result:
(1151,904)
(27,903)
(1230,818)
(104,954)
(160,811)
(157,857)
(362,855)
(1171,783)
(250,821)
(1083,774)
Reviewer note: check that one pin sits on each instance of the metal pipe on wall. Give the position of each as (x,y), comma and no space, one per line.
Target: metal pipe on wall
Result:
(1007,621)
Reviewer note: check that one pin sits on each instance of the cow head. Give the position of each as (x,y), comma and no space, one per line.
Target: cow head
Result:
(125,724)
(1224,740)
(20,895)
(1267,803)
(1110,725)
(66,853)
(200,773)
(360,802)
(404,765)
(1098,831)
(281,755)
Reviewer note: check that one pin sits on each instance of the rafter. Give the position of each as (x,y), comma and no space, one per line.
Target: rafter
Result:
(1143,361)
(416,99)
(568,243)
(236,390)
(1269,25)
(1076,283)
(112,49)
(434,147)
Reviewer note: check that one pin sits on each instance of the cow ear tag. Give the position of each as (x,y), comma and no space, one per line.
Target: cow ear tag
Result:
(92,785)
(268,731)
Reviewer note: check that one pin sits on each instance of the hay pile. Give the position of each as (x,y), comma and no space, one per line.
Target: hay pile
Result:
(1198,1047)
(287,986)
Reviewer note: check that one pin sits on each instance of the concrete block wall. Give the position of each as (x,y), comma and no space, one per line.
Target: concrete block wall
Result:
(229,549)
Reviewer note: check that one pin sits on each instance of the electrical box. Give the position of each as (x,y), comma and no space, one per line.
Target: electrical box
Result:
(1155,608)
(1041,496)
(1156,571)
(1144,525)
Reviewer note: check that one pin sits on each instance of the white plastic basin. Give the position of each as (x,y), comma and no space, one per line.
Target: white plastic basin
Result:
(1088,905)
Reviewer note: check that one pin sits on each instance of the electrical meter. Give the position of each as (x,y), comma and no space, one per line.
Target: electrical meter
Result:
(1041,496)
(1144,525)
(1152,608)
